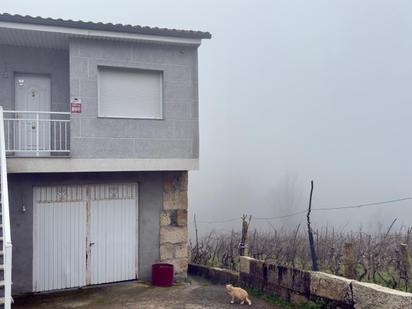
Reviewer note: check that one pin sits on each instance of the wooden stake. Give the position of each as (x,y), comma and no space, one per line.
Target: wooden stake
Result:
(197,239)
(349,261)
(245,227)
(405,264)
(310,233)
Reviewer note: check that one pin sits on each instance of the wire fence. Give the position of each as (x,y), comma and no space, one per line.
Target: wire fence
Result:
(320,209)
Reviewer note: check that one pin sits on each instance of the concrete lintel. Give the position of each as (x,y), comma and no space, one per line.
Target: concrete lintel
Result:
(68,165)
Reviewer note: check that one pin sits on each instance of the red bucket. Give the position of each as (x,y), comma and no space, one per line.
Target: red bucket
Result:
(162,274)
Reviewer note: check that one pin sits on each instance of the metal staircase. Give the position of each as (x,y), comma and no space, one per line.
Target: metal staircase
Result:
(5,236)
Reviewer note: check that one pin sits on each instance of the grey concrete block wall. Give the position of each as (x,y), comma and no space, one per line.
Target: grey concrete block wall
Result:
(74,73)
(55,63)
(21,193)
(175,136)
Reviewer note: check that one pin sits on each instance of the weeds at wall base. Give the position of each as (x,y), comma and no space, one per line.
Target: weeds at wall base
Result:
(277,300)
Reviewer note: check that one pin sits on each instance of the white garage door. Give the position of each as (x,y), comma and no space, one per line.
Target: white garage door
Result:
(59,237)
(84,235)
(113,230)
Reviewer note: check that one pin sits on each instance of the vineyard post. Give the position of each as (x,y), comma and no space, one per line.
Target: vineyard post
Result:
(197,239)
(245,227)
(232,260)
(310,233)
(405,270)
(349,260)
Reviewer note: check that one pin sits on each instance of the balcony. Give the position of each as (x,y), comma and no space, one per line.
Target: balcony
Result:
(37,134)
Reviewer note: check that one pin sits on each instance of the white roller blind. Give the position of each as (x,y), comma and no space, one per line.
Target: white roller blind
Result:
(130,93)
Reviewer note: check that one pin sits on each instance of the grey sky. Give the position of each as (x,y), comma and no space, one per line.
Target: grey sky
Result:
(289,91)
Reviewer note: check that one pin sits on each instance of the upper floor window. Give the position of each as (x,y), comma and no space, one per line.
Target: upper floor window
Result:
(130,93)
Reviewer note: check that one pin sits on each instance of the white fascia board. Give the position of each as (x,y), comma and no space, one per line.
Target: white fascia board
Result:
(70,165)
(86,33)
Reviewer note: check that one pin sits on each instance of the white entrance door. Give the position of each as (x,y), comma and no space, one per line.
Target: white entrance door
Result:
(113,240)
(32,132)
(84,234)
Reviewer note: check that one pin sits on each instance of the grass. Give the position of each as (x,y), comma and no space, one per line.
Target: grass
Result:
(99,300)
(276,300)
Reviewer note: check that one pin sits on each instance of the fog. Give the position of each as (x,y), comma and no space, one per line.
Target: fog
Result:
(290,91)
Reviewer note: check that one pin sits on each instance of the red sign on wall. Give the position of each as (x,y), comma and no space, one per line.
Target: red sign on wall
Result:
(75,106)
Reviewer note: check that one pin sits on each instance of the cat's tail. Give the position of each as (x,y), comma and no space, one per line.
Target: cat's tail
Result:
(248,301)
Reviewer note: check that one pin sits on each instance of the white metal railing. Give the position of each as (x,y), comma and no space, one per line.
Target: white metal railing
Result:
(29,133)
(7,245)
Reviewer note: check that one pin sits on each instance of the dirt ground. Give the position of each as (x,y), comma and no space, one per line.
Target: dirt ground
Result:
(198,294)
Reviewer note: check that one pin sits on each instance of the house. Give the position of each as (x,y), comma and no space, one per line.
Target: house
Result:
(100,130)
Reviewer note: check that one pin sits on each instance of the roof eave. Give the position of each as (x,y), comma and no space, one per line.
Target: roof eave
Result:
(116,28)
(101,34)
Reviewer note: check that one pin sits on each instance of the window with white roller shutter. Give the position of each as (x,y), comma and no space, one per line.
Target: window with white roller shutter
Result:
(130,93)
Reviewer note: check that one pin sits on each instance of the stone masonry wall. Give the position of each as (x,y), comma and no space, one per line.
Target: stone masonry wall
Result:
(214,274)
(298,286)
(173,222)
(336,292)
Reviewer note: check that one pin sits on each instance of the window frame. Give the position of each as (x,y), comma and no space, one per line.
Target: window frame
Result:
(121,68)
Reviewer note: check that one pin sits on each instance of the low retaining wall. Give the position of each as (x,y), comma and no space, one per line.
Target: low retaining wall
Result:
(299,286)
(214,274)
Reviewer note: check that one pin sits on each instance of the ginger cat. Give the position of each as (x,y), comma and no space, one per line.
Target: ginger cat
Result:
(239,293)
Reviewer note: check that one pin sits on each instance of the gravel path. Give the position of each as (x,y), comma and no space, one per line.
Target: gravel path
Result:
(198,294)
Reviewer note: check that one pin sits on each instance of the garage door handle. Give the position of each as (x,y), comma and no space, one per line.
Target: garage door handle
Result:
(91,244)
